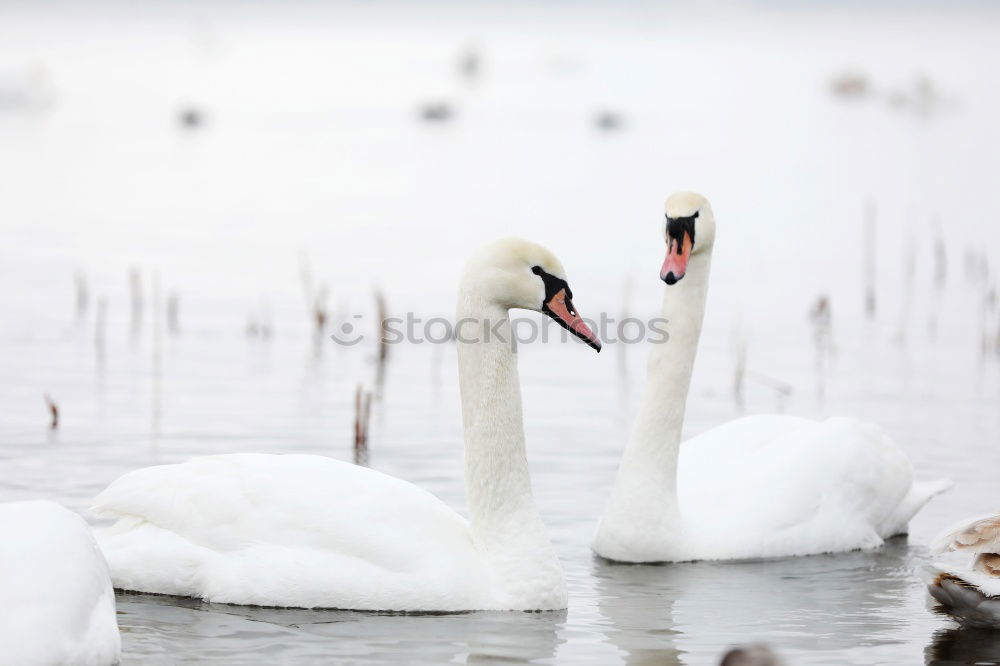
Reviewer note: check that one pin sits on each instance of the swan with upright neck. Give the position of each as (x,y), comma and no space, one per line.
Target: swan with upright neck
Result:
(759,486)
(308,531)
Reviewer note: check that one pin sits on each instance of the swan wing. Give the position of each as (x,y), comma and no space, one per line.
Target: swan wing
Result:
(287,530)
(973,535)
(778,485)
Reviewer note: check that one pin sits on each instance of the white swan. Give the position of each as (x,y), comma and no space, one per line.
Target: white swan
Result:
(55,592)
(308,531)
(971,593)
(760,486)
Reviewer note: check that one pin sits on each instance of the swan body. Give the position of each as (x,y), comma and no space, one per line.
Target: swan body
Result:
(308,531)
(228,529)
(848,486)
(970,593)
(58,603)
(759,486)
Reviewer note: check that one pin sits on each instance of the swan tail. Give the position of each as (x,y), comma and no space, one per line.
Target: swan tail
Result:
(960,599)
(920,494)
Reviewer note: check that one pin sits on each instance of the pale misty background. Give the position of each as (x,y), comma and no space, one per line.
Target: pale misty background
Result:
(311,153)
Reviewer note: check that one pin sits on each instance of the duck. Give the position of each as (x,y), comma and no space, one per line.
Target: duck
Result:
(760,486)
(970,594)
(55,589)
(308,531)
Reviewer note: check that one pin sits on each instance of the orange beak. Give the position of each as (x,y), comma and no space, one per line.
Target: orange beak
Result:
(675,263)
(560,308)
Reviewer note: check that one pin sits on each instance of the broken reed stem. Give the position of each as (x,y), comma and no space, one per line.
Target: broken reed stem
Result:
(157,353)
(996,343)
(82,293)
(259,325)
(469,62)
(821,317)
(135,289)
(173,313)
(909,278)
(315,297)
(868,269)
(305,274)
(381,314)
(988,304)
(99,323)
(53,410)
(362,414)
(320,313)
(940,256)
(358,433)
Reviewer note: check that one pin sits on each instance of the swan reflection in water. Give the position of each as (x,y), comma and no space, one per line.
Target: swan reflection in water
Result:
(963,645)
(693,612)
(162,626)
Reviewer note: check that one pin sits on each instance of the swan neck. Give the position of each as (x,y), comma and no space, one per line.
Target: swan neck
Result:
(650,460)
(504,519)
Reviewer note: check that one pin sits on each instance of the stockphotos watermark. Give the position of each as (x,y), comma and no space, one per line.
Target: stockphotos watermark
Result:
(515,331)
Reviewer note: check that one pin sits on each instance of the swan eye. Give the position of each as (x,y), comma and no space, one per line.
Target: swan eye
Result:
(553,285)
(678,226)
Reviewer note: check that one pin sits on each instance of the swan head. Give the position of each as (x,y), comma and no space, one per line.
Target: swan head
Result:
(689,230)
(516,273)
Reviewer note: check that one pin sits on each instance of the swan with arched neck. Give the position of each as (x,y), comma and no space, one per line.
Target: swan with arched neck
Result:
(310,531)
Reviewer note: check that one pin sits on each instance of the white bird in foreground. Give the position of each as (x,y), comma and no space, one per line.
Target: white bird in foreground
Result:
(308,531)
(970,594)
(58,606)
(760,486)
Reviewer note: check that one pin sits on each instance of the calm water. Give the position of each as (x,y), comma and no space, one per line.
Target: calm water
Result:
(312,159)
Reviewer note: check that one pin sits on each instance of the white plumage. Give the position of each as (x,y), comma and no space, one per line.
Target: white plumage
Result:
(760,486)
(309,531)
(772,485)
(55,592)
(289,530)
